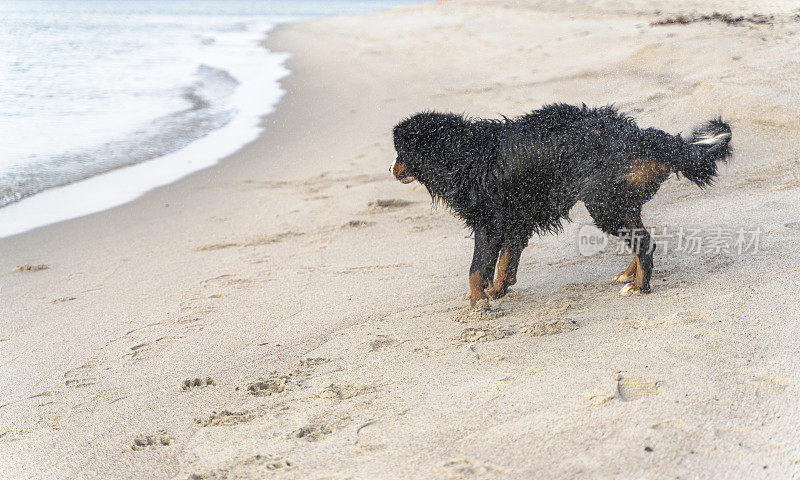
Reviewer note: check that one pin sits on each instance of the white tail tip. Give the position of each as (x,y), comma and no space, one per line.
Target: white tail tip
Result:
(711,139)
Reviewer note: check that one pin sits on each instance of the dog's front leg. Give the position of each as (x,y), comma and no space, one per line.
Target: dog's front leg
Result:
(482,268)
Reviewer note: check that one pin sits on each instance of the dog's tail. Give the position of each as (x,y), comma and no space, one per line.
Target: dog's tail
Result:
(697,157)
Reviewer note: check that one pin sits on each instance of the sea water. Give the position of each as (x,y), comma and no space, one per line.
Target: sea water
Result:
(115,97)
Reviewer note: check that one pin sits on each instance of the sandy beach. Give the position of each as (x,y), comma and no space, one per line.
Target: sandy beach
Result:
(294,312)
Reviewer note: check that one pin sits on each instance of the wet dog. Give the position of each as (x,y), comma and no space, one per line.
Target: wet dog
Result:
(509,179)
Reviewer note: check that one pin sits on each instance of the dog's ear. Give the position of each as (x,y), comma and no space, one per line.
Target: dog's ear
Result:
(405,135)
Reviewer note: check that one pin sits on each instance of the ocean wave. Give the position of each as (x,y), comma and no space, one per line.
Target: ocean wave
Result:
(209,99)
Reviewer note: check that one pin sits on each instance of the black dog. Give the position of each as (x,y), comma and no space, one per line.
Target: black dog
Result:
(511,178)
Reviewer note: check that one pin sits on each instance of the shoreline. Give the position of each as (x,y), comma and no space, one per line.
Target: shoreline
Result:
(321,331)
(254,100)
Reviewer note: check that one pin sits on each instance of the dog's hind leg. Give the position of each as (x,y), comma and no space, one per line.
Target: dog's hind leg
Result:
(481,271)
(624,219)
(629,273)
(506,270)
(638,239)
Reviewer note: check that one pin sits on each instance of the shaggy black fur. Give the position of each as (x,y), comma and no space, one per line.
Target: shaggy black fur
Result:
(510,178)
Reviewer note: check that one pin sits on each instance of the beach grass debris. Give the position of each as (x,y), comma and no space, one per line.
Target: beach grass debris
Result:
(27,267)
(63,299)
(726,18)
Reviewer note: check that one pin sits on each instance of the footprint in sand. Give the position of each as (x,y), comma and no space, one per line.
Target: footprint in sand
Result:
(372,435)
(549,327)
(484,334)
(626,389)
(313,432)
(466,468)
(194,383)
(745,438)
(139,351)
(343,392)
(386,205)
(357,224)
(633,388)
(46,393)
(686,317)
(224,418)
(382,342)
(249,467)
(482,311)
(274,384)
(771,381)
(82,376)
(159,439)
(145,350)
(313,362)
(13,435)
(225,280)
(252,242)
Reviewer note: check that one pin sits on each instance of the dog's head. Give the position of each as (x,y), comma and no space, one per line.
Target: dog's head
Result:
(421,142)
(405,144)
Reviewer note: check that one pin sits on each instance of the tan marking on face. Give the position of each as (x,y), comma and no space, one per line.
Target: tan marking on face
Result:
(645,172)
(400,173)
(476,288)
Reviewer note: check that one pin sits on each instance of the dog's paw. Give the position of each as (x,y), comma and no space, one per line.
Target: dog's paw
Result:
(622,277)
(476,297)
(629,289)
(497,292)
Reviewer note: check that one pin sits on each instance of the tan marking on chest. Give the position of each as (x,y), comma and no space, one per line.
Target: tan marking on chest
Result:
(644,172)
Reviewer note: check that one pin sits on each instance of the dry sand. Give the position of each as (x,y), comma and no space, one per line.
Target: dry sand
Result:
(295,313)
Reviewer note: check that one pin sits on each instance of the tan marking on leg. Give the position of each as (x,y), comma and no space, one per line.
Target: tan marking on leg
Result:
(644,172)
(475,288)
(501,280)
(627,275)
(639,274)
(634,287)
